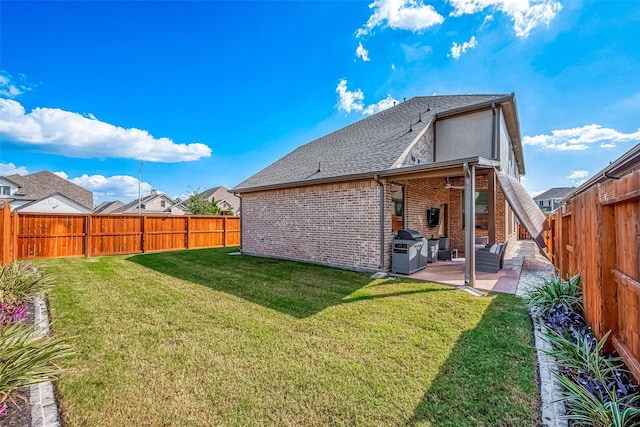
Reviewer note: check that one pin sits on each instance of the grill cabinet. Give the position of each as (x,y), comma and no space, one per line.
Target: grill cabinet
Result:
(410,252)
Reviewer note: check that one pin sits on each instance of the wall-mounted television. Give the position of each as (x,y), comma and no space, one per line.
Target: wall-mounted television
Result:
(433,217)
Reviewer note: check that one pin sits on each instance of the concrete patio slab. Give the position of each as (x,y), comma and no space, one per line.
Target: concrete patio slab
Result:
(452,273)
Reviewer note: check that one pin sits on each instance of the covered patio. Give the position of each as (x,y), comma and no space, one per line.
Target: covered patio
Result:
(453,273)
(474,199)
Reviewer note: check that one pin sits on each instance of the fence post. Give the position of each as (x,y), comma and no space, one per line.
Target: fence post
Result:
(188,226)
(5,220)
(225,232)
(143,230)
(87,235)
(14,236)
(609,286)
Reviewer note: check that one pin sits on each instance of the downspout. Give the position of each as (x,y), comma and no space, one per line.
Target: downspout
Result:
(493,132)
(381,262)
(241,221)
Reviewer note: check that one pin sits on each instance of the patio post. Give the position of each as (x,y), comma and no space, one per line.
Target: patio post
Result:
(469,225)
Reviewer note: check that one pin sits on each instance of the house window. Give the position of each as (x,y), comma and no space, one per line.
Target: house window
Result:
(5,190)
(163,204)
(482,209)
(398,208)
(142,206)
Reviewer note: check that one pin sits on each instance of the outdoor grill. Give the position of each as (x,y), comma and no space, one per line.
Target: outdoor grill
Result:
(409,252)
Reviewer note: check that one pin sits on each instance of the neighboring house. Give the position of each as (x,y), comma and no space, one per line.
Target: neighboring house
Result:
(550,200)
(108,207)
(339,199)
(44,192)
(153,204)
(228,202)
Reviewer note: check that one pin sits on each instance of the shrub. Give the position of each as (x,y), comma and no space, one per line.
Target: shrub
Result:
(556,292)
(588,409)
(581,352)
(27,358)
(20,281)
(11,313)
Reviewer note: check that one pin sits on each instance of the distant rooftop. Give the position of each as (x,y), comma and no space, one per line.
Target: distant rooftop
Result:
(556,193)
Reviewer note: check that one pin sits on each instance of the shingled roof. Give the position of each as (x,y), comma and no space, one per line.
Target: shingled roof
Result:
(41,184)
(555,193)
(374,143)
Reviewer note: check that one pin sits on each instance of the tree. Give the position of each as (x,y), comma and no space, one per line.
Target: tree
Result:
(197,205)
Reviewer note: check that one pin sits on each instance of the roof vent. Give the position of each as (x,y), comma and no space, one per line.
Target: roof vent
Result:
(319,168)
(420,117)
(428,107)
(410,127)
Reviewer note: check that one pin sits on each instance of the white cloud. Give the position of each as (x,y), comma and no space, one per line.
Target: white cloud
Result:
(578,174)
(412,15)
(534,193)
(7,169)
(53,130)
(117,187)
(11,87)
(362,53)
(525,14)
(349,100)
(388,102)
(354,100)
(576,139)
(393,67)
(458,50)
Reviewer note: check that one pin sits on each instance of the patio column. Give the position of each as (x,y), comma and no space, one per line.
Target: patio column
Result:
(469,225)
(491,202)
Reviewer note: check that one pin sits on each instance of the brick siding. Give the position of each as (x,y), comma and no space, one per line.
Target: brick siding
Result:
(333,223)
(339,224)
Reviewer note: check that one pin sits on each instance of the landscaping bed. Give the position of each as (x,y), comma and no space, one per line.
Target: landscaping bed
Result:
(203,338)
(28,354)
(596,386)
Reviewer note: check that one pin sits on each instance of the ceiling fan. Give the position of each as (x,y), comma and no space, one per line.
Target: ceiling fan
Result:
(454,187)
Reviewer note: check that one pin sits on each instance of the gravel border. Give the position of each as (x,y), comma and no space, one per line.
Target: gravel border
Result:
(44,408)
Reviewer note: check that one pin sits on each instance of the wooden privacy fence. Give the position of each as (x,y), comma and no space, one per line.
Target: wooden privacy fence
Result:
(40,235)
(600,240)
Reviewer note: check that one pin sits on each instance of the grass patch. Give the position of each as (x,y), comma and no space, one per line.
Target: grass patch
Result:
(204,338)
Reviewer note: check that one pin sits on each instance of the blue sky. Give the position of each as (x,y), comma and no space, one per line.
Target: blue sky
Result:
(208,93)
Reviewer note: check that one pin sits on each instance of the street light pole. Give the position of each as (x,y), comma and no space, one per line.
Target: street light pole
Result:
(139,176)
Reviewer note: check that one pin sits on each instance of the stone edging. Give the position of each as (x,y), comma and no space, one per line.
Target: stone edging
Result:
(44,408)
(552,410)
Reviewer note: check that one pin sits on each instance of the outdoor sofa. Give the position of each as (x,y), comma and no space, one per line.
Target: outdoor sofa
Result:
(489,259)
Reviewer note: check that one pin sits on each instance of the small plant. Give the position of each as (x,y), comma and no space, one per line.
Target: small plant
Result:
(587,409)
(562,320)
(556,291)
(582,353)
(11,313)
(27,358)
(20,281)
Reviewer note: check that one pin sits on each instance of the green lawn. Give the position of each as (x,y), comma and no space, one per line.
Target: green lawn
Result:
(204,338)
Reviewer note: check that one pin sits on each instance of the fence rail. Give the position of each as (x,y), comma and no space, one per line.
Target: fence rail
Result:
(600,239)
(39,235)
